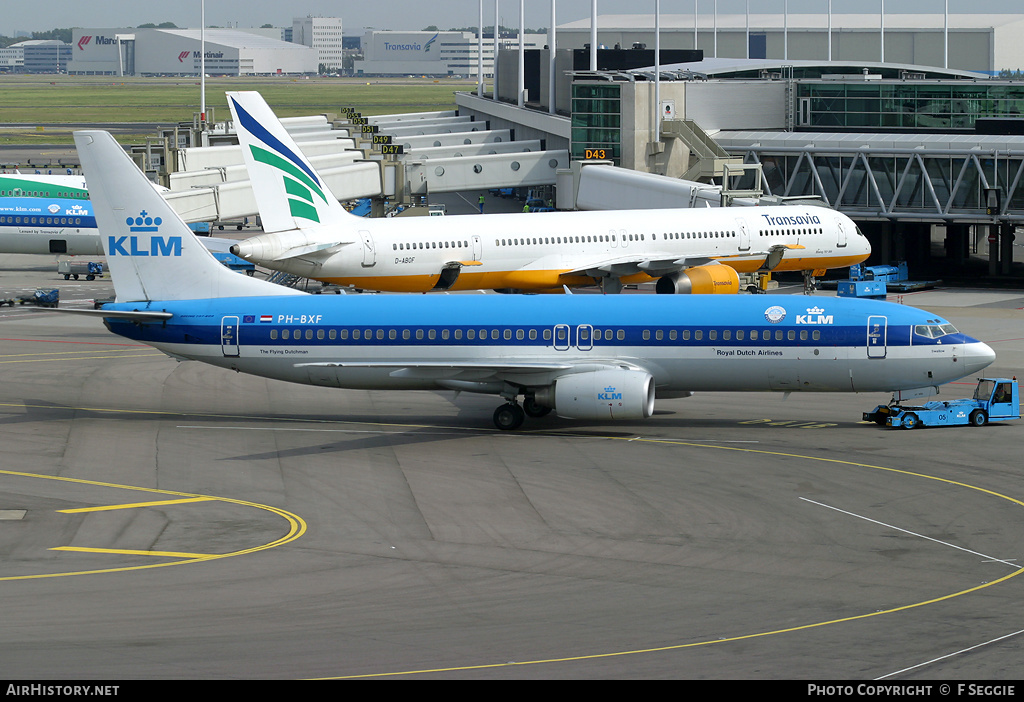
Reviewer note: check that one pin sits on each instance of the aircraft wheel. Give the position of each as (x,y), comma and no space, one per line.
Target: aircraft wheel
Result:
(911,421)
(978,418)
(509,416)
(532,409)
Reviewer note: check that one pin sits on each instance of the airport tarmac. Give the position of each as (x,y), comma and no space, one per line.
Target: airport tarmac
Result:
(174,520)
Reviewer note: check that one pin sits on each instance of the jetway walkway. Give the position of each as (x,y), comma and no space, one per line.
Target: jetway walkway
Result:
(443,152)
(449,153)
(212,183)
(974,179)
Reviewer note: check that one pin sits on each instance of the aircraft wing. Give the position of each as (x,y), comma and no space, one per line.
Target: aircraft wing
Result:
(498,370)
(657,265)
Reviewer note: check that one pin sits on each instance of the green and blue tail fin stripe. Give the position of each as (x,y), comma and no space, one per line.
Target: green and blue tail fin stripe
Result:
(289,192)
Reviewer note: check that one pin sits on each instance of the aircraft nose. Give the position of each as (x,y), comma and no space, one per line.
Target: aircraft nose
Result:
(977,356)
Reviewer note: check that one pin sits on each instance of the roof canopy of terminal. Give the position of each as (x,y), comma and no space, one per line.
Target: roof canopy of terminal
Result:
(796,22)
(738,68)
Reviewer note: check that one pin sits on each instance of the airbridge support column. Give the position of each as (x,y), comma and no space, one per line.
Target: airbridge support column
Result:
(879,235)
(957,243)
(919,248)
(915,245)
(993,249)
(1006,248)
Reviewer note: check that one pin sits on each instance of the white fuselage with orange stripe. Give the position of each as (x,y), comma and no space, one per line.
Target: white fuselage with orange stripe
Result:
(548,250)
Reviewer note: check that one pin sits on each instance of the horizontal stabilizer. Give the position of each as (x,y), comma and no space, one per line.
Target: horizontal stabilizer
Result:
(300,251)
(134,315)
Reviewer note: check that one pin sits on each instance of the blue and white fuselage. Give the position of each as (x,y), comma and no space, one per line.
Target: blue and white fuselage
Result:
(788,343)
(34,225)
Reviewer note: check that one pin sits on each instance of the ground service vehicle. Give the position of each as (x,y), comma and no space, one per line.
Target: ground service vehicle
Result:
(995,399)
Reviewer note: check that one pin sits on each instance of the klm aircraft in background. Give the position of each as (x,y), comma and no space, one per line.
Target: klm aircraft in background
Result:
(591,357)
(308,233)
(42,214)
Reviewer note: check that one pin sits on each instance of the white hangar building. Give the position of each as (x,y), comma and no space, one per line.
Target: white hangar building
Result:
(232,52)
(432,53)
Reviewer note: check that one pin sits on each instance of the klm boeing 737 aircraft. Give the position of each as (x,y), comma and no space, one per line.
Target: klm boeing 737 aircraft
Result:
(592,357)
(308,233)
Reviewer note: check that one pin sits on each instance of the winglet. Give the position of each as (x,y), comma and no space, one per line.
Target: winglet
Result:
(151,253)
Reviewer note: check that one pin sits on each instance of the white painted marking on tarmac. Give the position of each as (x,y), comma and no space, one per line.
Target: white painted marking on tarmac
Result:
(950,655)
(717,441)
(913,533)
(336,431)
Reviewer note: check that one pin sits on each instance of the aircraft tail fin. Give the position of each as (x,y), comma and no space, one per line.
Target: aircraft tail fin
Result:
(151,253)
(289,191)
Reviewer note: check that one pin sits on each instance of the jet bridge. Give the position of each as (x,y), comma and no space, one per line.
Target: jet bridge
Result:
(490,148)
(235,199)
(428,126)
(481,172)
(412,143)
(213,183)
(455,153)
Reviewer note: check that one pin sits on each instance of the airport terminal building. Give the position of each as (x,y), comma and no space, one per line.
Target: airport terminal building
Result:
(146,52)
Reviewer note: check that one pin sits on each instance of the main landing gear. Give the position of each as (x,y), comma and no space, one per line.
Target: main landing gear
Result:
(810,282)
(510,416)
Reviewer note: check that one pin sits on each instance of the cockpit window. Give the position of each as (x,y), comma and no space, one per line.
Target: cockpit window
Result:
(934,331)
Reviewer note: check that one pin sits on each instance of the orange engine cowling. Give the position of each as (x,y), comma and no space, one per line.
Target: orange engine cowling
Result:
(714,279)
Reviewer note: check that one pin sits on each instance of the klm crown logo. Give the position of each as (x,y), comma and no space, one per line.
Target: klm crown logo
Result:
(144,223)
(815,315)
(150,245)
(609,394)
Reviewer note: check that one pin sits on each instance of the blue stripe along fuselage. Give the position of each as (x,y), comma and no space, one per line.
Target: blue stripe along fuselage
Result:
(46,212)
(829,354)
(199,321)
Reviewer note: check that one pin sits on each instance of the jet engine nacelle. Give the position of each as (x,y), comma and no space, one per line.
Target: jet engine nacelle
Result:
(713,279)
(606,394)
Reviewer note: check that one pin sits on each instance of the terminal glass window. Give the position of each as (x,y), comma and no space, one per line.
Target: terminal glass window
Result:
(596,122)
(906,105)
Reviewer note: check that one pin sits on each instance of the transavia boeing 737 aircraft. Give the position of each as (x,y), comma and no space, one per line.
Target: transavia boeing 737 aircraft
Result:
(584,356)
(309,234)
